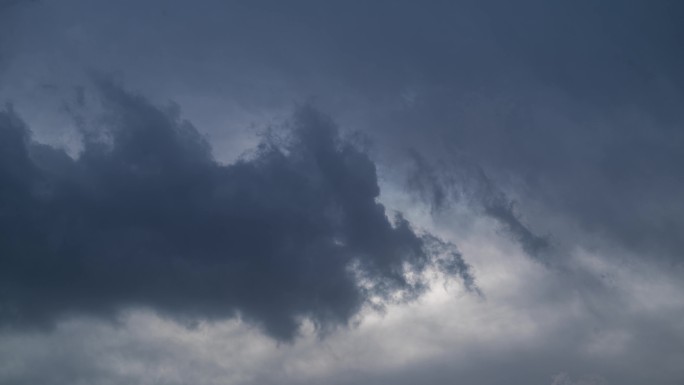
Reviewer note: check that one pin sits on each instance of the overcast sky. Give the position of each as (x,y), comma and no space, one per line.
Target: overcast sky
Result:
(341,192)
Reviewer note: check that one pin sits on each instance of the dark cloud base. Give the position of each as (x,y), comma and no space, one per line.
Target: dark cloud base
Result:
(146,217)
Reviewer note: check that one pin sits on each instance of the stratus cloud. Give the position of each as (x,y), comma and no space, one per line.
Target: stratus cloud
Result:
(145,216)
(565,379)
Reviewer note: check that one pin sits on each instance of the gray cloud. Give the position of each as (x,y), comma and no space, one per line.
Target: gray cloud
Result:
(442,186)
(556,124)
(565,379)
(145,216)
(8,4)
(577,122)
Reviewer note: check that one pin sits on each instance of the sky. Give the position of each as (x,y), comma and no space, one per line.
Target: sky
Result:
(341,192)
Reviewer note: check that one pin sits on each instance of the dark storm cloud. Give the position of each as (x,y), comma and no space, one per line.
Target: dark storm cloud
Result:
(6,31)
(574,106)
(559,120)
(145,216)
(8,4)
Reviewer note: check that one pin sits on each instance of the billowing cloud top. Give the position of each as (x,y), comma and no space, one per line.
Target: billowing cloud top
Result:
(146,216)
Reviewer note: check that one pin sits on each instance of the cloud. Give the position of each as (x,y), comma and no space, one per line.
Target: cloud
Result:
(146,217)
(441,186)
(565,379)
(531,118)
(8,4)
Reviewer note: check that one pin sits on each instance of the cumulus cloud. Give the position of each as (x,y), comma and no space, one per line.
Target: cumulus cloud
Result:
(146,217)
(555,124)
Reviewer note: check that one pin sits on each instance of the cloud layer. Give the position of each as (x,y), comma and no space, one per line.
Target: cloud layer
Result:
(543,137)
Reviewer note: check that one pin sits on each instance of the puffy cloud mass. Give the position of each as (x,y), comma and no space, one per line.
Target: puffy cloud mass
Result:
(542,137)
(145,216)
